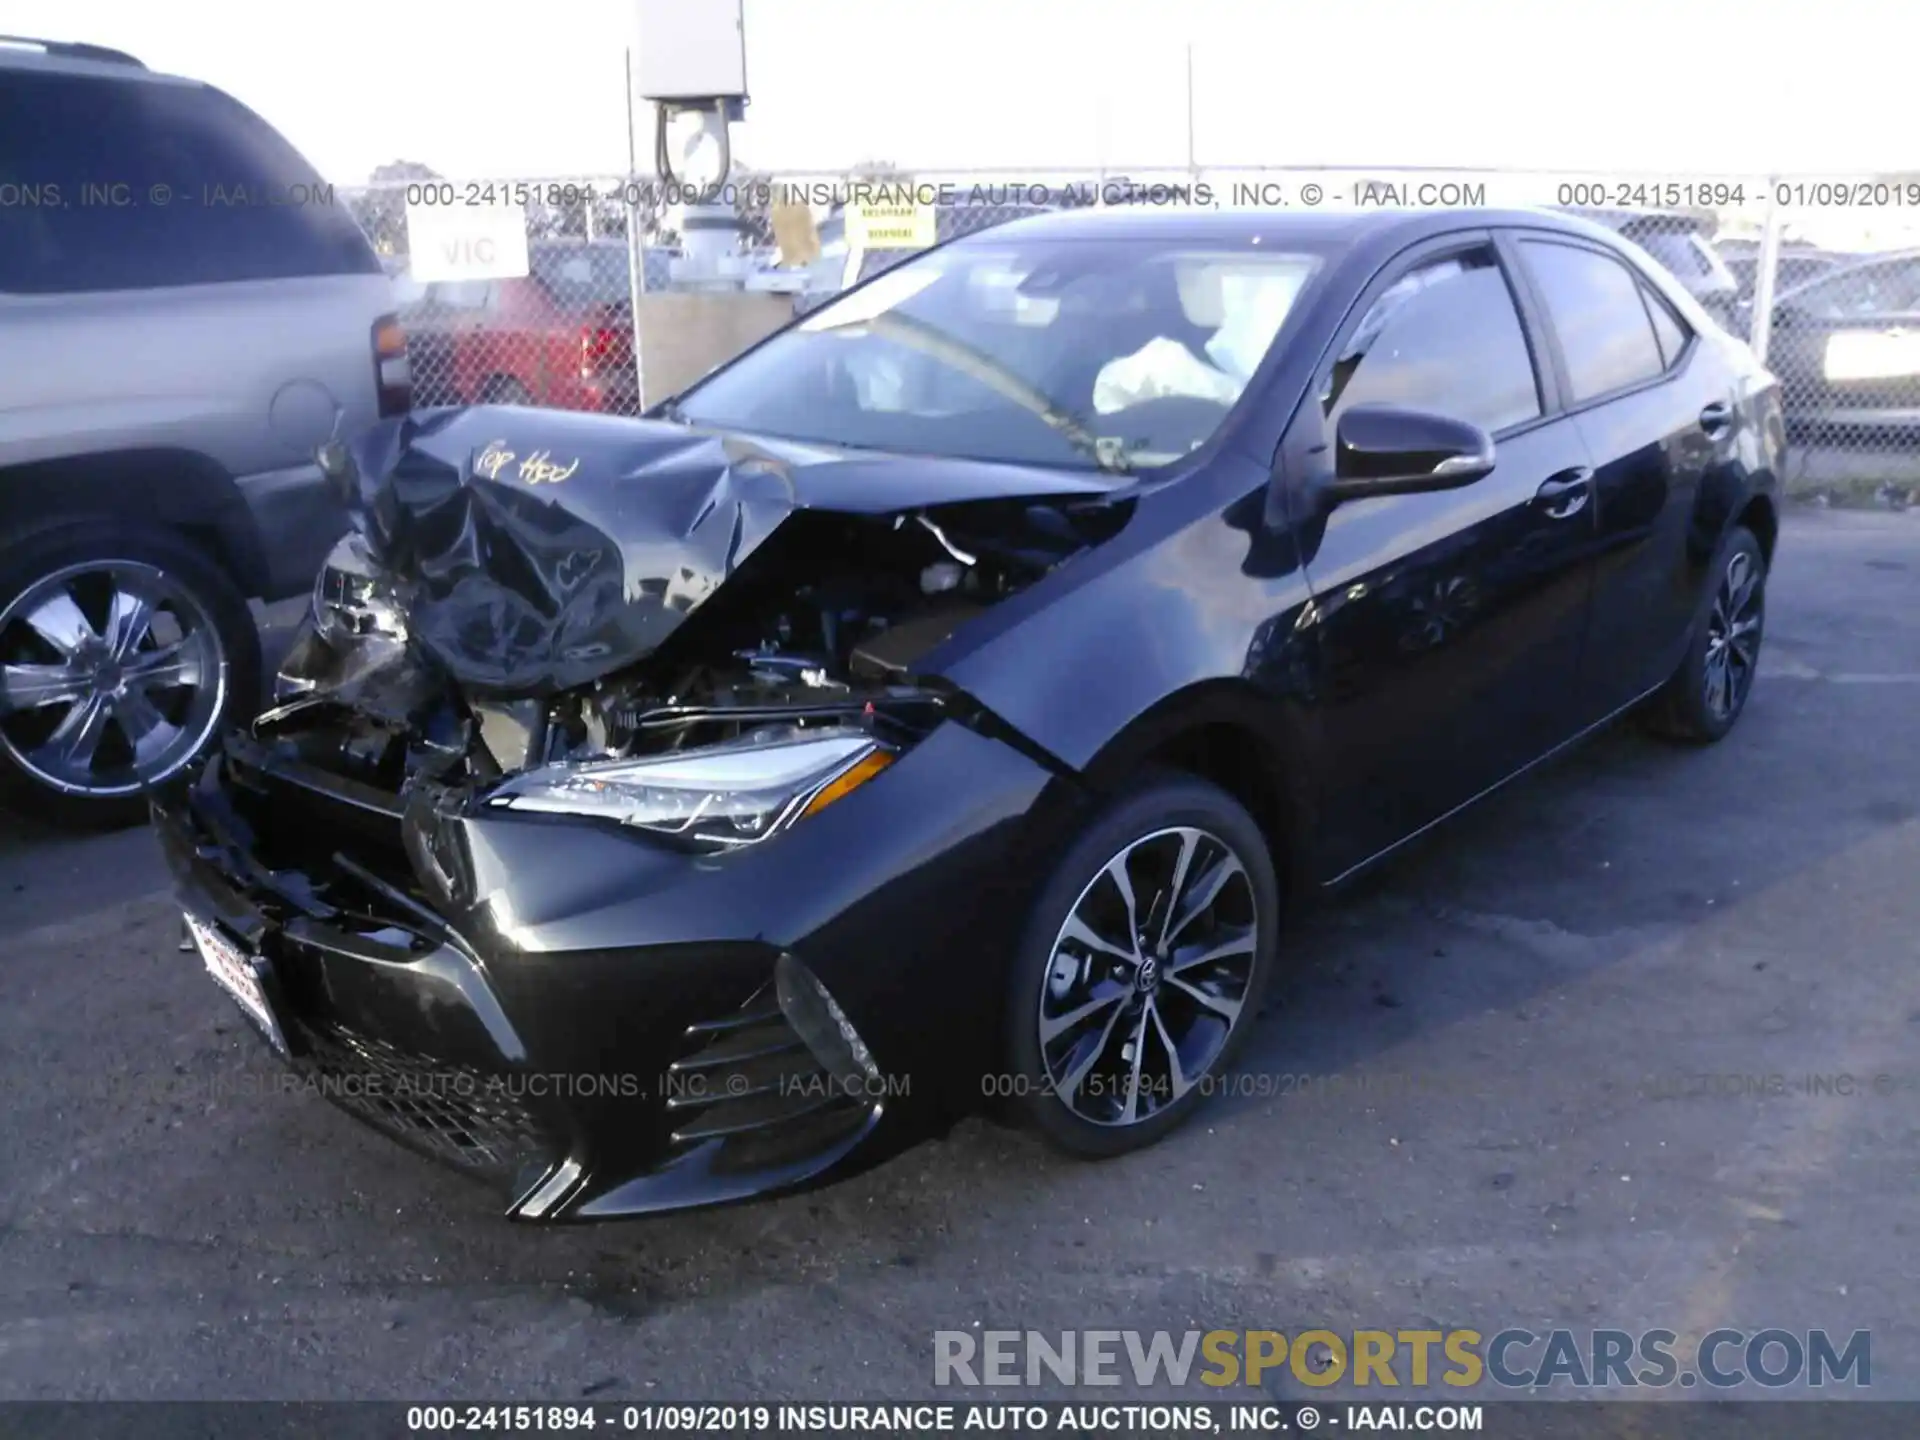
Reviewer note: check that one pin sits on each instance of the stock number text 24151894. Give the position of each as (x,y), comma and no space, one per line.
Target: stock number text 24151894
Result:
(688,1419)
(1652,194)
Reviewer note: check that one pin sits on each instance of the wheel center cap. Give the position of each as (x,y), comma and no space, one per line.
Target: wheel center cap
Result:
(1148,976)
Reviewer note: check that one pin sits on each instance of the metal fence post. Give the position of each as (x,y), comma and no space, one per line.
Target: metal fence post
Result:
(636,243)
(636,287)
(1767,269)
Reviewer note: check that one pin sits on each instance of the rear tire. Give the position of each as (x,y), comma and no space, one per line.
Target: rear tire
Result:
(1116,1031)
(1707,694)
(124,652)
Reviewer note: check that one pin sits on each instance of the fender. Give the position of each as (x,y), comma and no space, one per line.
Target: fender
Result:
(180,488)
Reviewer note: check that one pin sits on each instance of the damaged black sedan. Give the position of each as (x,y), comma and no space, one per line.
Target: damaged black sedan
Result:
(947,701)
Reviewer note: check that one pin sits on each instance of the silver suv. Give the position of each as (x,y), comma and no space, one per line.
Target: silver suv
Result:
(185,316)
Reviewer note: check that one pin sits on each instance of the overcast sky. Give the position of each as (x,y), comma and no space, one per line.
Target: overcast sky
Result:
(484,88)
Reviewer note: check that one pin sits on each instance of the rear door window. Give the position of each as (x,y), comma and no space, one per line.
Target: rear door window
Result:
(1594,303)
(130,184)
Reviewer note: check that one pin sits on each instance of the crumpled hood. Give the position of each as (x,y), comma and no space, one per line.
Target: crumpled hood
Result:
(537,550)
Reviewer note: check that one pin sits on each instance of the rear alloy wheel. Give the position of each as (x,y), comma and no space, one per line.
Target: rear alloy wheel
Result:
(1143,967)
(1708,692)
(116,670)
(1733,636)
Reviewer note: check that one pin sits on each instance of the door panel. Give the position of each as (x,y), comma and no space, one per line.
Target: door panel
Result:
(1448,625)
(1651,457)
(1656,415)
(1450,628)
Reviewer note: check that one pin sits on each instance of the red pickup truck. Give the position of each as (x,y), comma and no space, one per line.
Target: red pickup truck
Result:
(559,336)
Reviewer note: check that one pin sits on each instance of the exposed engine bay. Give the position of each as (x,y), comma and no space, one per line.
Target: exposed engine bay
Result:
(489,634)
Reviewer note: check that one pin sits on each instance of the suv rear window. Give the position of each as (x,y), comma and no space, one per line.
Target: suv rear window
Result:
(109,184)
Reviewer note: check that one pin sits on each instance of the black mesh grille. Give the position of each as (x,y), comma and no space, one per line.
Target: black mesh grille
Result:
(453,1113)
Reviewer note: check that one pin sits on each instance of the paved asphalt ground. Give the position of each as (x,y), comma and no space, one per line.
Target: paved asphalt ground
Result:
(1472,1106)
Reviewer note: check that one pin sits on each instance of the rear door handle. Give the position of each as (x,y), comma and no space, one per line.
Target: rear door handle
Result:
(1716,417)
(1565,494)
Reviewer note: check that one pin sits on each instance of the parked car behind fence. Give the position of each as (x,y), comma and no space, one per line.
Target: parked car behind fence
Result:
(1846,347)
(559,336)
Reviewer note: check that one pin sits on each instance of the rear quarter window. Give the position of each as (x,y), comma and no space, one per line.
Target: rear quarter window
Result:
(115,184)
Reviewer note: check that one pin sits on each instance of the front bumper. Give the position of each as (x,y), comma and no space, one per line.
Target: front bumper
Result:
(588,1019)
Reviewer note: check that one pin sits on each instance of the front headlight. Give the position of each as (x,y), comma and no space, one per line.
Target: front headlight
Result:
(352,599)
(718,798)
(359,629)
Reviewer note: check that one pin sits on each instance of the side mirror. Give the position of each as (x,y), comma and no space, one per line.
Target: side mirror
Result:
(337,468)
(1384,450)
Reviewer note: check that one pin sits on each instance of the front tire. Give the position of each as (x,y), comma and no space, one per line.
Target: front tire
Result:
(124,650)
(1707,694)
(1142,967)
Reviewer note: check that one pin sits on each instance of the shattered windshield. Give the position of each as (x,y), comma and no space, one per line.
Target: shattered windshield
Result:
(1115,354)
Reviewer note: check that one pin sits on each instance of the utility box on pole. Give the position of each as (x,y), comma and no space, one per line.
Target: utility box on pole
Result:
(690,50)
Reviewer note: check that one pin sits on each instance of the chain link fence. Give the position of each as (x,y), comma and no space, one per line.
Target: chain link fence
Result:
(1822,277)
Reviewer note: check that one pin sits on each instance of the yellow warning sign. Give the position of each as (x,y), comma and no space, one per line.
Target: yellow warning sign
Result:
(890,227)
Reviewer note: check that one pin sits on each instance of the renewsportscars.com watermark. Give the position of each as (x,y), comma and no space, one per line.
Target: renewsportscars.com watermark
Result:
(1513,1358)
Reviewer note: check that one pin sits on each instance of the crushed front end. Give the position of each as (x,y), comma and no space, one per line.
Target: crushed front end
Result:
(618,906)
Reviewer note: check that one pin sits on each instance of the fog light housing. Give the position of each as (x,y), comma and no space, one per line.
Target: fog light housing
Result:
(823,1026)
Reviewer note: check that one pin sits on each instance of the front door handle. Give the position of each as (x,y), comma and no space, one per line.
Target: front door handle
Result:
(1716,417)
(1565,494)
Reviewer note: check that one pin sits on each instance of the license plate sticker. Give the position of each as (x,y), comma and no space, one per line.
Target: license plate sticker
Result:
(1873,355)
(235,972)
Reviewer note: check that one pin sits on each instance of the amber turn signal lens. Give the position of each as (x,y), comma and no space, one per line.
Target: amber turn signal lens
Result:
(848,781)
(389,339)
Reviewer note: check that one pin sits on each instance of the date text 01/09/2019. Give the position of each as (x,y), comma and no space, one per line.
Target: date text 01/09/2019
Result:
(909,1418)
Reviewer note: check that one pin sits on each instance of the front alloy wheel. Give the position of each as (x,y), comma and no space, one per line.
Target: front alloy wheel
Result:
(113,678)
(123,650)
(1149,976)
(1142,968)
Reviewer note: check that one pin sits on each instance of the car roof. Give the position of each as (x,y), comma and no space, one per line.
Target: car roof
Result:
(1244,227)
(84,61)
(1666,220)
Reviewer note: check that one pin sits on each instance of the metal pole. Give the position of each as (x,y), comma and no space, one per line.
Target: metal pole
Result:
(636,246)
(1760,330)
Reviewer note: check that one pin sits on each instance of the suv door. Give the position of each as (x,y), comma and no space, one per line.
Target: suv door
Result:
(1449,623)
(1658,419)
